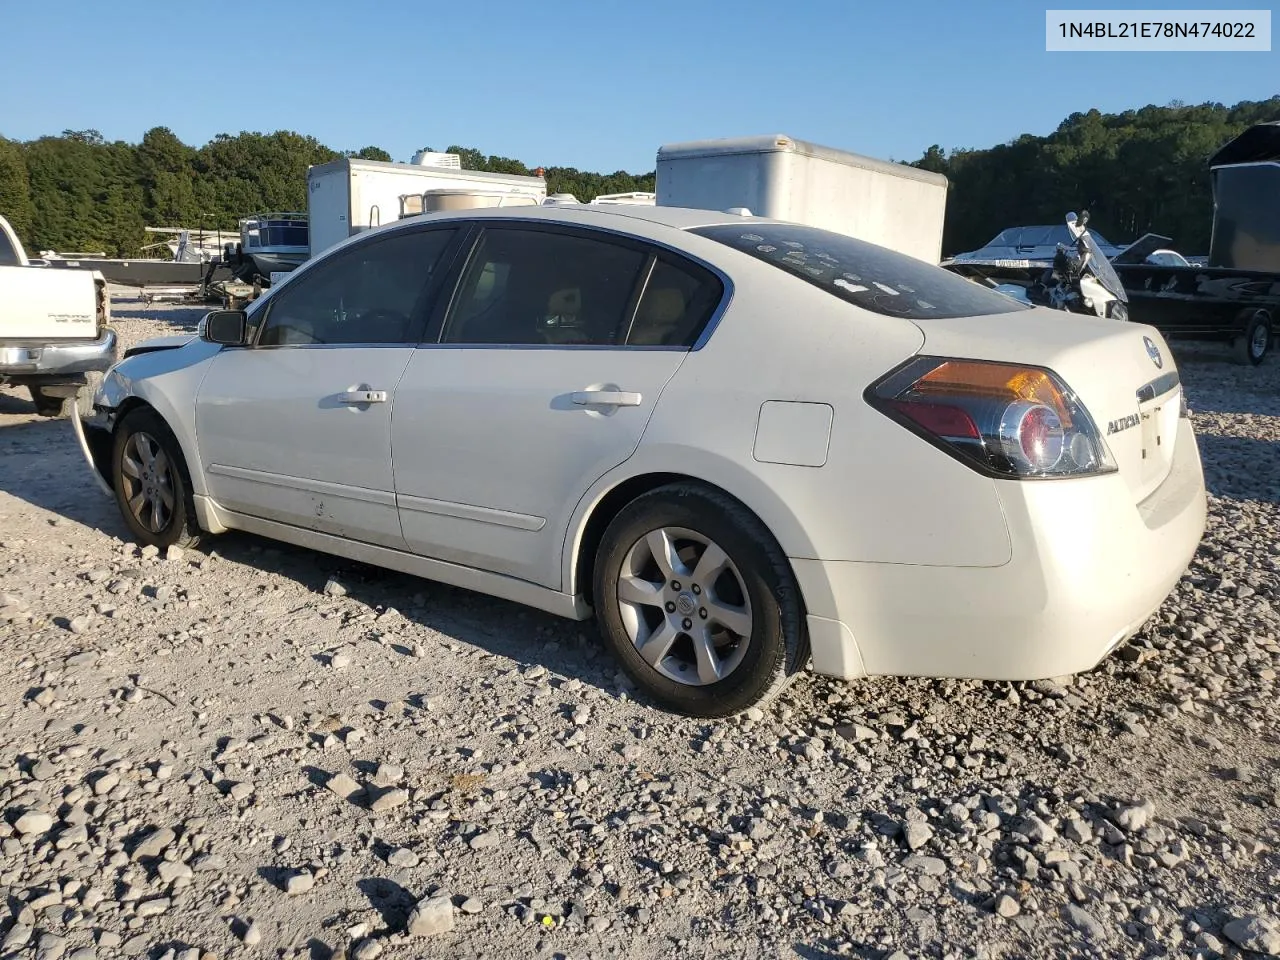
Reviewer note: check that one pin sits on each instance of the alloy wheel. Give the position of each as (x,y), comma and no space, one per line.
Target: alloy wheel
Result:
(684,605)
(147,475)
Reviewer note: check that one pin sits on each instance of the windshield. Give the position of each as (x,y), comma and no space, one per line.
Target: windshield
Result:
(1049,235)
(868,276)
(1101,268)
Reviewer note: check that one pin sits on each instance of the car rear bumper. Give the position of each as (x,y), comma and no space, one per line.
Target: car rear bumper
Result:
(1088,568)
(54,359)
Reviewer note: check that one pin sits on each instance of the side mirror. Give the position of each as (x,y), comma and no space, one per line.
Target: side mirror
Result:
(227,327)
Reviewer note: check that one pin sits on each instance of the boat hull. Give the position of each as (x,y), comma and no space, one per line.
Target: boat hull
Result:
(267,263)
(143,273)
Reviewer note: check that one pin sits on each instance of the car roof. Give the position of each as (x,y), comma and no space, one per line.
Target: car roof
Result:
(679,218)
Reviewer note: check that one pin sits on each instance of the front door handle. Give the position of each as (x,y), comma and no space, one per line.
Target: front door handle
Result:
(606,398)
(363,396)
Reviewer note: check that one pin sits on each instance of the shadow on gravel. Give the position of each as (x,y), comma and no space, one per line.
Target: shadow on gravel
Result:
(525,635)
(169,946)
(41,463)
(1242,468)
(819,952)
(278,877)
(16,405)
(393,902)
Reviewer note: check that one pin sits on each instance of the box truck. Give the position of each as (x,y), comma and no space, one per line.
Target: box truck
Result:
(890,204)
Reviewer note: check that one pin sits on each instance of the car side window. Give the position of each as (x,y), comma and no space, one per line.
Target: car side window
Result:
(8,254)
(541,287)
(368,294)
(678,300)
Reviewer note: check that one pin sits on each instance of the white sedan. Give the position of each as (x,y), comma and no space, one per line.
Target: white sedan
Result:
(746,446)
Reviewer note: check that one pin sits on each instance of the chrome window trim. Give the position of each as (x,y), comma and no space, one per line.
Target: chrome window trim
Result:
(399,345)
(618,347)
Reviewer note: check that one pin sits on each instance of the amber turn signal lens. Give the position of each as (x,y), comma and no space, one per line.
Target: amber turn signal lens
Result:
(994,381)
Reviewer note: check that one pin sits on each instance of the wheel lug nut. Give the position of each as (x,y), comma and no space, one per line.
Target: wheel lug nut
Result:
(675,584)
(703,613)
(687,624)
(696,588)
(671,607)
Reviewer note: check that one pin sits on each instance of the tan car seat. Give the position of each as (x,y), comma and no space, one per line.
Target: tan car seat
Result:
(660,318)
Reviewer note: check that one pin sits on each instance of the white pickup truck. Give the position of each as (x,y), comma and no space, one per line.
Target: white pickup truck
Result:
(54,332)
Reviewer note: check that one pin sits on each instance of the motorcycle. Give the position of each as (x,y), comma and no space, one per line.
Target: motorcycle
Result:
(1081,279)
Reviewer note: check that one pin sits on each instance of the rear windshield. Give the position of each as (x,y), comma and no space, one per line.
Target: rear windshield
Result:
(862,273)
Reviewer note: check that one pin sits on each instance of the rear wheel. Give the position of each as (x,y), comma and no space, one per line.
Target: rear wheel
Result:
(1254,342)
(47,404)
(698,603)
(62,400)
(83,401)
(152,485)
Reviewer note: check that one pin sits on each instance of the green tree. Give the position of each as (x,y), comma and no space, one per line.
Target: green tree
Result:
(371,153)
(1138,171)
(15,189)
(166,168)
(85,193)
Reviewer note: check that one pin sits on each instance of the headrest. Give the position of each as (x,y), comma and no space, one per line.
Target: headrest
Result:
(662,305)
(566,302)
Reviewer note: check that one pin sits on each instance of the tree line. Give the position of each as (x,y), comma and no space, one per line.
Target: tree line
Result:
(78,192)
(1136,171)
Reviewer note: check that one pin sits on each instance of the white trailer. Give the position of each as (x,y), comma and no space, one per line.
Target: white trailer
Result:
(347,196)
(890,204)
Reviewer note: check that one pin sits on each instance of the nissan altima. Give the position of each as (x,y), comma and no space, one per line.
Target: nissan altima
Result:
(746,447)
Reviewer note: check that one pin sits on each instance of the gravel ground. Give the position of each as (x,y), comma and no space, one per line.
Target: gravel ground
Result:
(255,750)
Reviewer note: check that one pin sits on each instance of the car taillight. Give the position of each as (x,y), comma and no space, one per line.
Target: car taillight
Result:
(1008,420)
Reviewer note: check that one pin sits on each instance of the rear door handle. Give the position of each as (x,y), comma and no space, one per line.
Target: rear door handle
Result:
(606,398)
(363,396)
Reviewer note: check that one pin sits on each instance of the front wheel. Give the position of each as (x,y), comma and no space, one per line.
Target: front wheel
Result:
(698,603)
(152,485)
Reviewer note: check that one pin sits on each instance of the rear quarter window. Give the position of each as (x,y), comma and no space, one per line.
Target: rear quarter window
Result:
(8,255)
(864,274)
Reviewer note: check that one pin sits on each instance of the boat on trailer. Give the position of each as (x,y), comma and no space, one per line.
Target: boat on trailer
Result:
(272,243)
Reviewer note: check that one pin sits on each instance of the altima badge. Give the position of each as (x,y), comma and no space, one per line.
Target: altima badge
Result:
(1153,352)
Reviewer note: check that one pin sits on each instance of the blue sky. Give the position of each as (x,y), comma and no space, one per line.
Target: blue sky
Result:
(596,85)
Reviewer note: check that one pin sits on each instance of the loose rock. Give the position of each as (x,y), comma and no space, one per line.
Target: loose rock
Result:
(431,916)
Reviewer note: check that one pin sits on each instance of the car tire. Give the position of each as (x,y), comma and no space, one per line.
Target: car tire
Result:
(82,403)
(151,482)
(1254,342)
(47,404)
(56,402)
(745,611)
